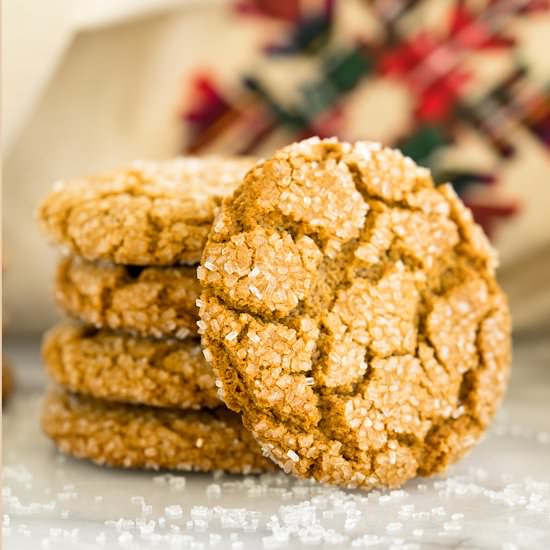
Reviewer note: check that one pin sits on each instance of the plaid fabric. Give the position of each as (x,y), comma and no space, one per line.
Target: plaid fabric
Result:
(431,64)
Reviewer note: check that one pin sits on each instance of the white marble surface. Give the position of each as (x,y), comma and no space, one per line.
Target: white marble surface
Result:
(498,497)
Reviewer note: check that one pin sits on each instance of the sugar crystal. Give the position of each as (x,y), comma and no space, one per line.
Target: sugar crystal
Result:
(174,511)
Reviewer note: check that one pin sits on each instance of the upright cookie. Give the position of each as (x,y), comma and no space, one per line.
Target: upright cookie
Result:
(146,214)
(351,312)
(146,437)
(118,367)
(148,301)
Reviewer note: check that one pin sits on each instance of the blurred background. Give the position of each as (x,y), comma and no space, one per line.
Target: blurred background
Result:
(461,86)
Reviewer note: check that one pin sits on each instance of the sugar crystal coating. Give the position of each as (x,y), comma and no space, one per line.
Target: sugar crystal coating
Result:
(351,313)
(149,301)
(132,436)
(119,367)
(149,213)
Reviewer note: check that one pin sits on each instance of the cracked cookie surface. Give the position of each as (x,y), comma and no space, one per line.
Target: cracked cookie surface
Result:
(149,213)
(149,301)
(132,436)
(352,315)
(119,367)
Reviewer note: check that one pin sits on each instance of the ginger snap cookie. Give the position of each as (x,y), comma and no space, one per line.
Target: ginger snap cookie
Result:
(352,315)
(145,214)
(147,301)
(133,436)
(119,367)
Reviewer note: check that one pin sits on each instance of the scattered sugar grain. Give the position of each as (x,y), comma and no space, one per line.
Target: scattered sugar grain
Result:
(439,511)
(148,528)
(174,511)
(201,512)
(199,524)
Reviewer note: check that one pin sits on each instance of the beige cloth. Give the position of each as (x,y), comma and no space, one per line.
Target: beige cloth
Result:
(89,86)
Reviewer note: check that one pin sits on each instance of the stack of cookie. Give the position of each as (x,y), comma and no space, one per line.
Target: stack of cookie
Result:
(348,307)
(133,388)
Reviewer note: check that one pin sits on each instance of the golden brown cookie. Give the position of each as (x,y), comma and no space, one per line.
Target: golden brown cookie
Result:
(118,367)
(351,312)
(145,214)
(132,436)
(147,301)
